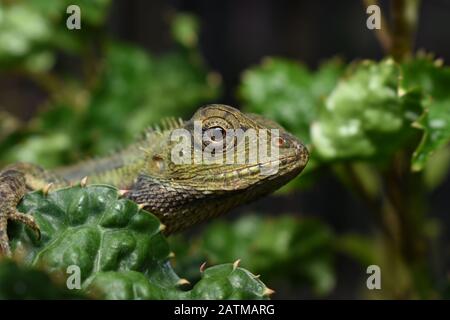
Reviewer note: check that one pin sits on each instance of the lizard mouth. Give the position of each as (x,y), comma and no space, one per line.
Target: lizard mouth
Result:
(280,164)
(294,161)
(286,164)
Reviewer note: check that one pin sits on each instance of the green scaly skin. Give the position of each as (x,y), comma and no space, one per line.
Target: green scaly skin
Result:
(180,195)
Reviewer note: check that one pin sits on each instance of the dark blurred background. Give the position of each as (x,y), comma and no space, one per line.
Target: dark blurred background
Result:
(238,34)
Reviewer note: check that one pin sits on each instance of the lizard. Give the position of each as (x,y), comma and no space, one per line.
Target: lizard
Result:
(179,194)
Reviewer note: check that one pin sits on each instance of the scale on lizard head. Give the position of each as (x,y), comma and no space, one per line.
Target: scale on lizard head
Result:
(216,147)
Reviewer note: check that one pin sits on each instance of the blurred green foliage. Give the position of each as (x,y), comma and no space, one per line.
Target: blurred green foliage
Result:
(137,90)
(285,251)
(434,80)
(123,90)
(33,30)
(364,112)
(24,282)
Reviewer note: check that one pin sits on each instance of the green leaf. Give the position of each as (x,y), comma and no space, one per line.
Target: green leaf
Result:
(366,116)
(228,282)
(118,248)
(434,80)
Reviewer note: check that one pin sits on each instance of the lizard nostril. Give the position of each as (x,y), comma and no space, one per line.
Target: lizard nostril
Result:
(279,142)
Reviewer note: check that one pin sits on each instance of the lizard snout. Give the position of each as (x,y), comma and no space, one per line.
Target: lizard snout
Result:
(301,152)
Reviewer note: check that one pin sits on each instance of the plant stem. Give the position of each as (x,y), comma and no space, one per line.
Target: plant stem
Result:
(404,21)
(404,197)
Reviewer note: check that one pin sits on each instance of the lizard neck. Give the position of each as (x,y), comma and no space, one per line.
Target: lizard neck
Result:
(122,168)
(119,170)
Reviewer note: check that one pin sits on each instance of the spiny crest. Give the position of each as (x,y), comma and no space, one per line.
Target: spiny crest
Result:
(154,132)
(165,124)
(141,143)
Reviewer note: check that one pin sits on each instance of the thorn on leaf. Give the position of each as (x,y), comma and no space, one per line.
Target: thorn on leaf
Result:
(236,264)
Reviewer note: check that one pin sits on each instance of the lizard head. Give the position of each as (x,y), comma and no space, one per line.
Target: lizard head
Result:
(224,149)
(217,160)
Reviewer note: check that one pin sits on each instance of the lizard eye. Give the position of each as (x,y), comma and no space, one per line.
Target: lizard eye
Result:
(214,135)
(215,138)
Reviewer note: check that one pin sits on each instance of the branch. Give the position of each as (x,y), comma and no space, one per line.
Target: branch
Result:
(404,21)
